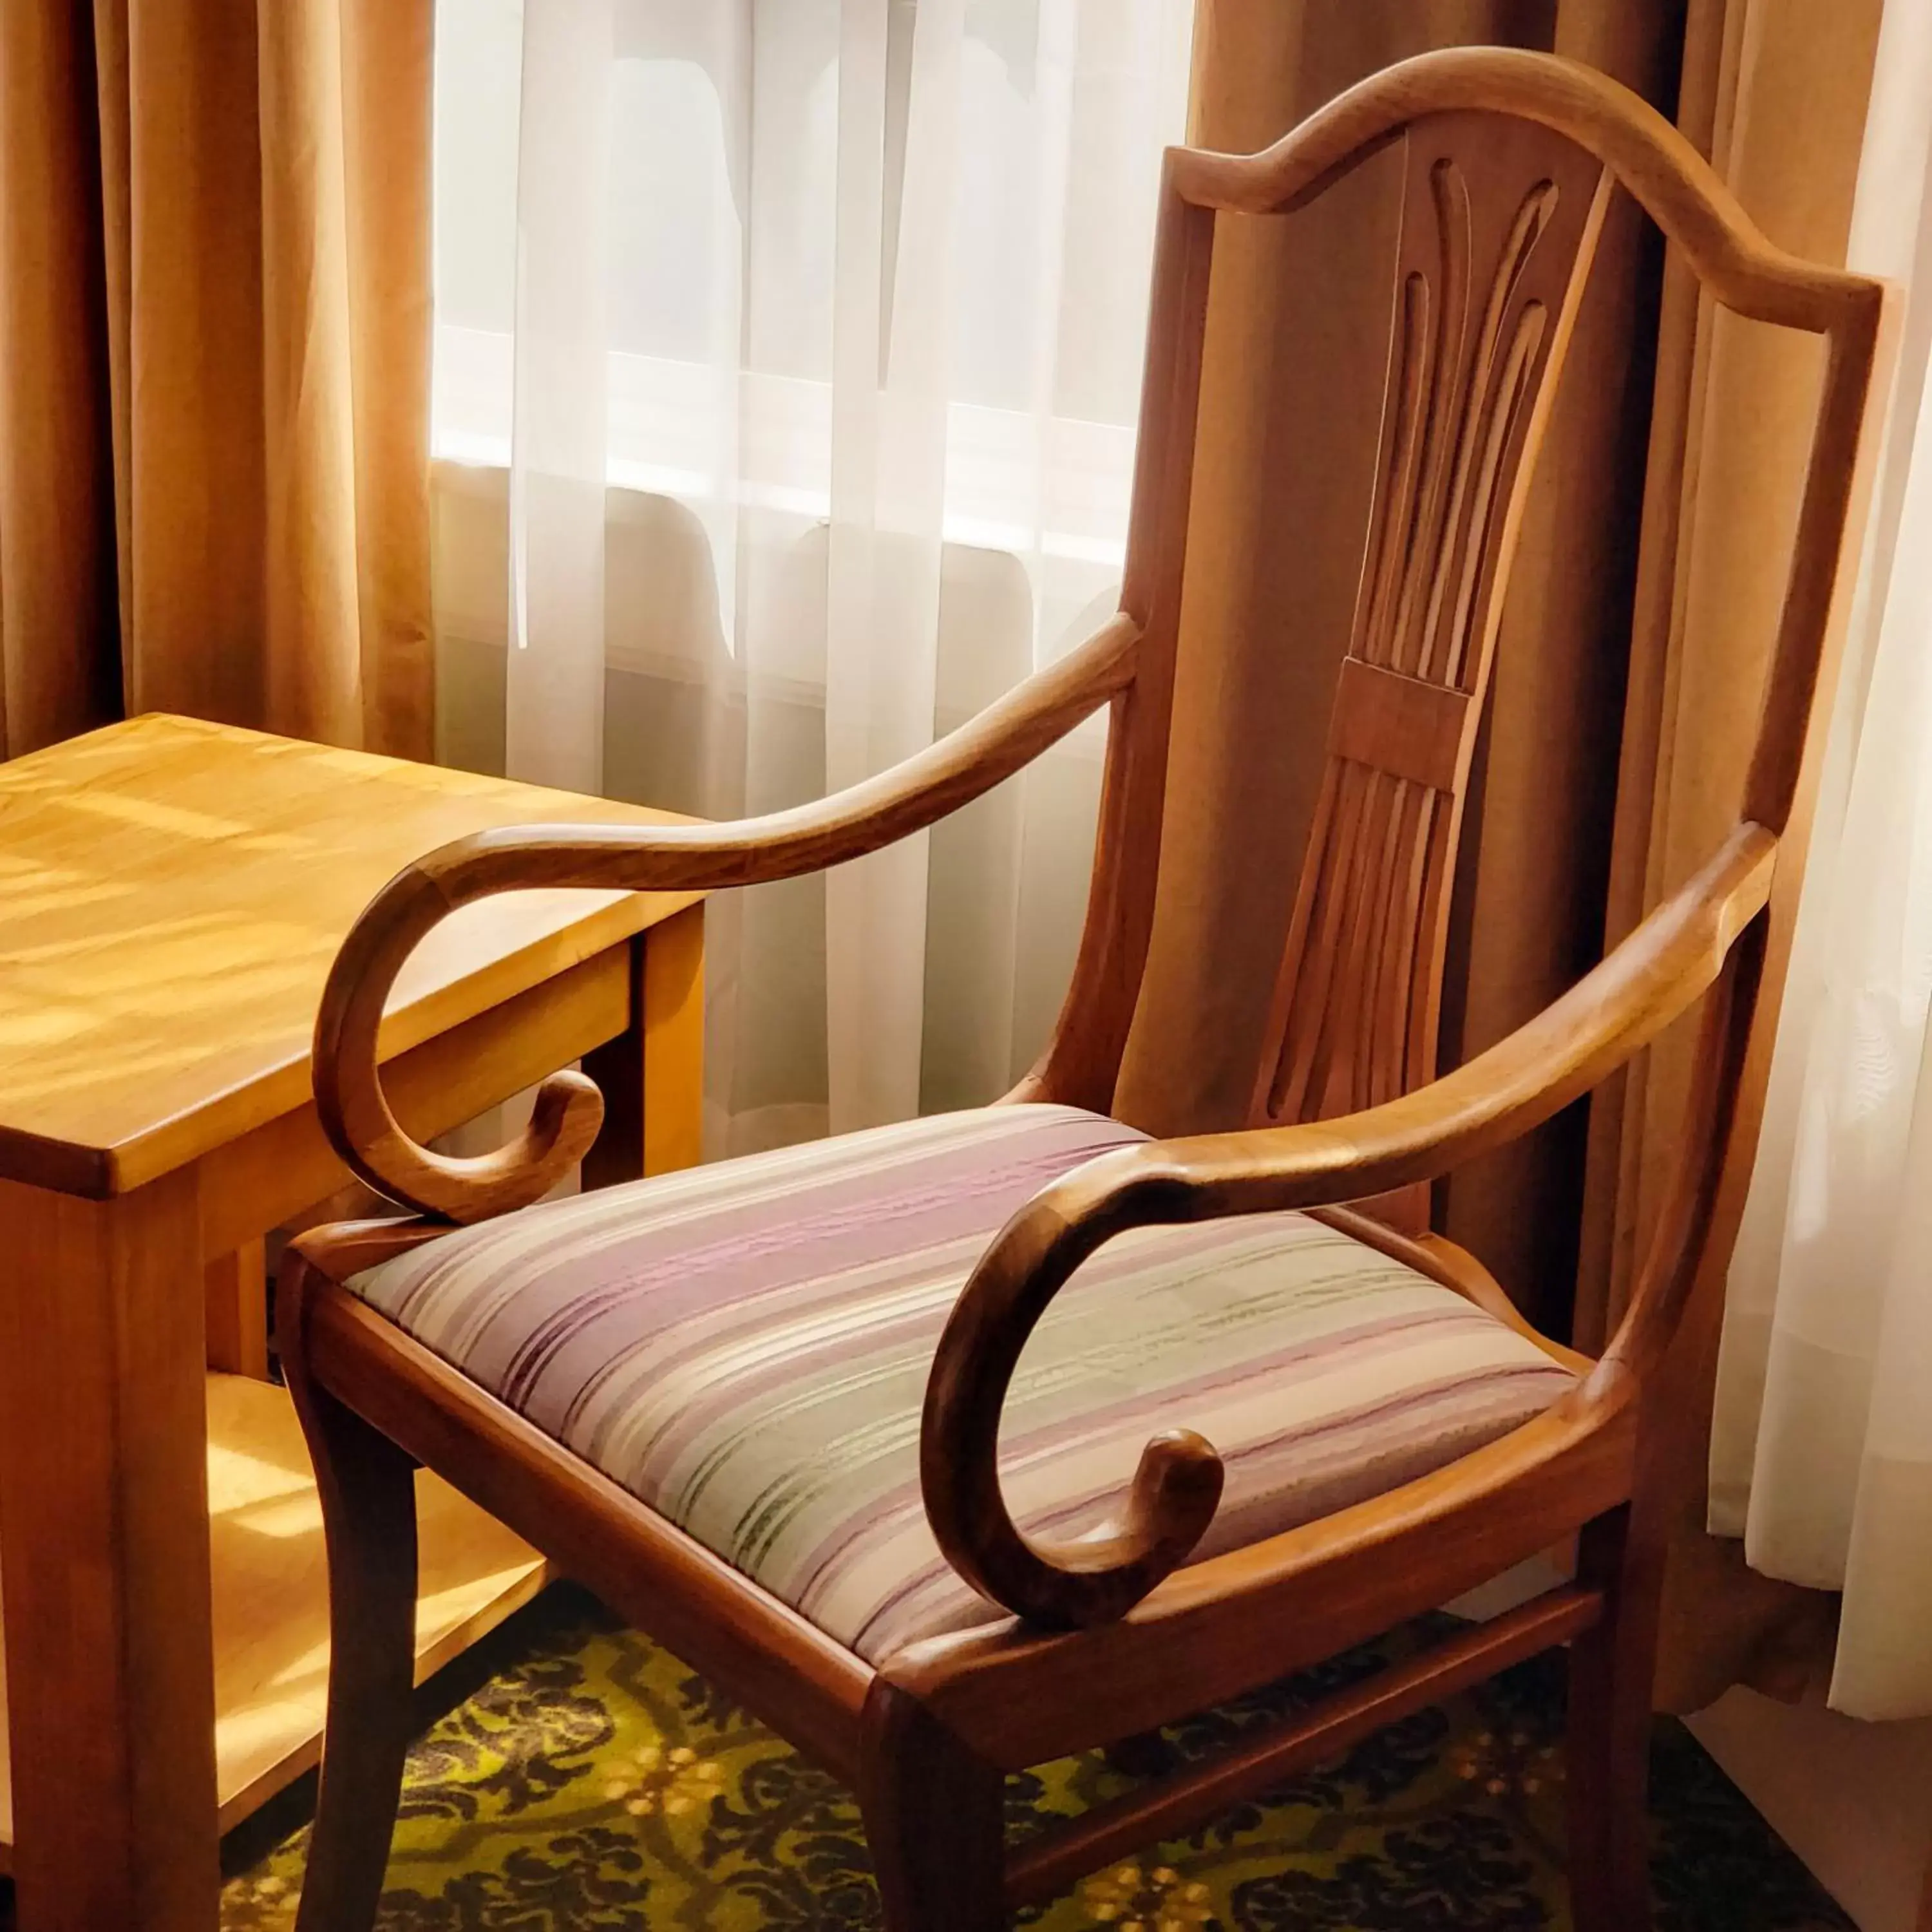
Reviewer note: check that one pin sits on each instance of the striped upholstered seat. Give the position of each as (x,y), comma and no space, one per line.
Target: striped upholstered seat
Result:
(744,1348)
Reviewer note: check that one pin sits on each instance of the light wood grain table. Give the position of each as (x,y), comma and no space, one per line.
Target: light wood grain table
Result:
(172,893)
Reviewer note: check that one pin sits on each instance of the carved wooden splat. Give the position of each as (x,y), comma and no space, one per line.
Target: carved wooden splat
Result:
(1499,223)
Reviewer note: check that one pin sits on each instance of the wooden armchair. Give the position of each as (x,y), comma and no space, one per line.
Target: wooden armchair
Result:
(758,1406)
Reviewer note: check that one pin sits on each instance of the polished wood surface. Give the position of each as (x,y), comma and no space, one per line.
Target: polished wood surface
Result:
(1022,1694)
(1120,1632)
(150,1011)
(1499,228)
(1273,1754)
(369,1485)
(287,1165)
(1606,1784)
(1651,159)
(237,1285)
(171,894)
(104,1504)
(271,1596)
(670,1029)
(934,1817)
(1656,975)
(352,1029)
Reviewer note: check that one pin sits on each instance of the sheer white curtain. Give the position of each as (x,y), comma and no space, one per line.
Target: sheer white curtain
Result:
(787,358)
(1822,1457)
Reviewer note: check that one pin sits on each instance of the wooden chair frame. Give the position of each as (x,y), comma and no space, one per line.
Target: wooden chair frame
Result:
(1117,1635)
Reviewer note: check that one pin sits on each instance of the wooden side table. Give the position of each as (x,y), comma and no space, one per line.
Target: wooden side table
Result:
(172,893)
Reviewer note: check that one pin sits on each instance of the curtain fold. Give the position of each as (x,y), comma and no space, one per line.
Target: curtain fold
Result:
(1298,324)
(1821,1455)
(1704,421)
(1732,423)
(214,341)
(59,659)
(1737,401)
(853,293)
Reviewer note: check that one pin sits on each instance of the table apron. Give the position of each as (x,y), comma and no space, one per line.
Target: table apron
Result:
(277,1170)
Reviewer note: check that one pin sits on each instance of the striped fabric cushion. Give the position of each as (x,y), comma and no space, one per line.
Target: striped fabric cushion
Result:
(745,1347)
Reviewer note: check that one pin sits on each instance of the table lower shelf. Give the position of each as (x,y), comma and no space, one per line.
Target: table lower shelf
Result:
(270,1607)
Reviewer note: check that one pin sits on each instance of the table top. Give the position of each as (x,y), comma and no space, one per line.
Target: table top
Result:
(171,894)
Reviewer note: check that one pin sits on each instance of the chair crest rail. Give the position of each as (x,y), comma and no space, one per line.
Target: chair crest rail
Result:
(1676,186)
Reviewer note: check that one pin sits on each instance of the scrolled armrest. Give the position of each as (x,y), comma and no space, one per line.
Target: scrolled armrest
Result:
(354,1110)
(1616,1008)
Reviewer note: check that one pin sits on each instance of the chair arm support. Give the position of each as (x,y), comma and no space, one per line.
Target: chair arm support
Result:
(1615,1009)
(354,1110)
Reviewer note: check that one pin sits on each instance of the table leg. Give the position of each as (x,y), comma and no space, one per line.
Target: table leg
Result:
(104,1528)
(674,1018)
(617,1066)
(238,1311)
(653,1073)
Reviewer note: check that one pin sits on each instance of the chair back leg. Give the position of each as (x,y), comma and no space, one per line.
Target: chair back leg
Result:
(935,1819)
(368,1487)
(1612,1668)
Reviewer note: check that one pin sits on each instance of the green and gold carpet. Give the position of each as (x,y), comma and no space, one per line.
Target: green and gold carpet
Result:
(593,1783)
(589,1782)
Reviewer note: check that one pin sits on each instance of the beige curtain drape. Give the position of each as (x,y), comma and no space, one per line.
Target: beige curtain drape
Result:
(1298,330)
(214,360)
(1656,539)
(1735,406)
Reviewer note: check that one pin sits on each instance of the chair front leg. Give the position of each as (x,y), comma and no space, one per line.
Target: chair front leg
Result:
(1612,1668)
(934,1818)
(368,1487)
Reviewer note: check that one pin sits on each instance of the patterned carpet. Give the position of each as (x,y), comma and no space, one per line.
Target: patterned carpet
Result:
(586,1781)
(590,1781)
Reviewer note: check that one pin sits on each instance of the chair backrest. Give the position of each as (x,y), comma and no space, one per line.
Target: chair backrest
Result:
(1510,161)
(1499,220)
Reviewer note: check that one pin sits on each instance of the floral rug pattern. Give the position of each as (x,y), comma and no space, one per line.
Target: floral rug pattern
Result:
(594,1783)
